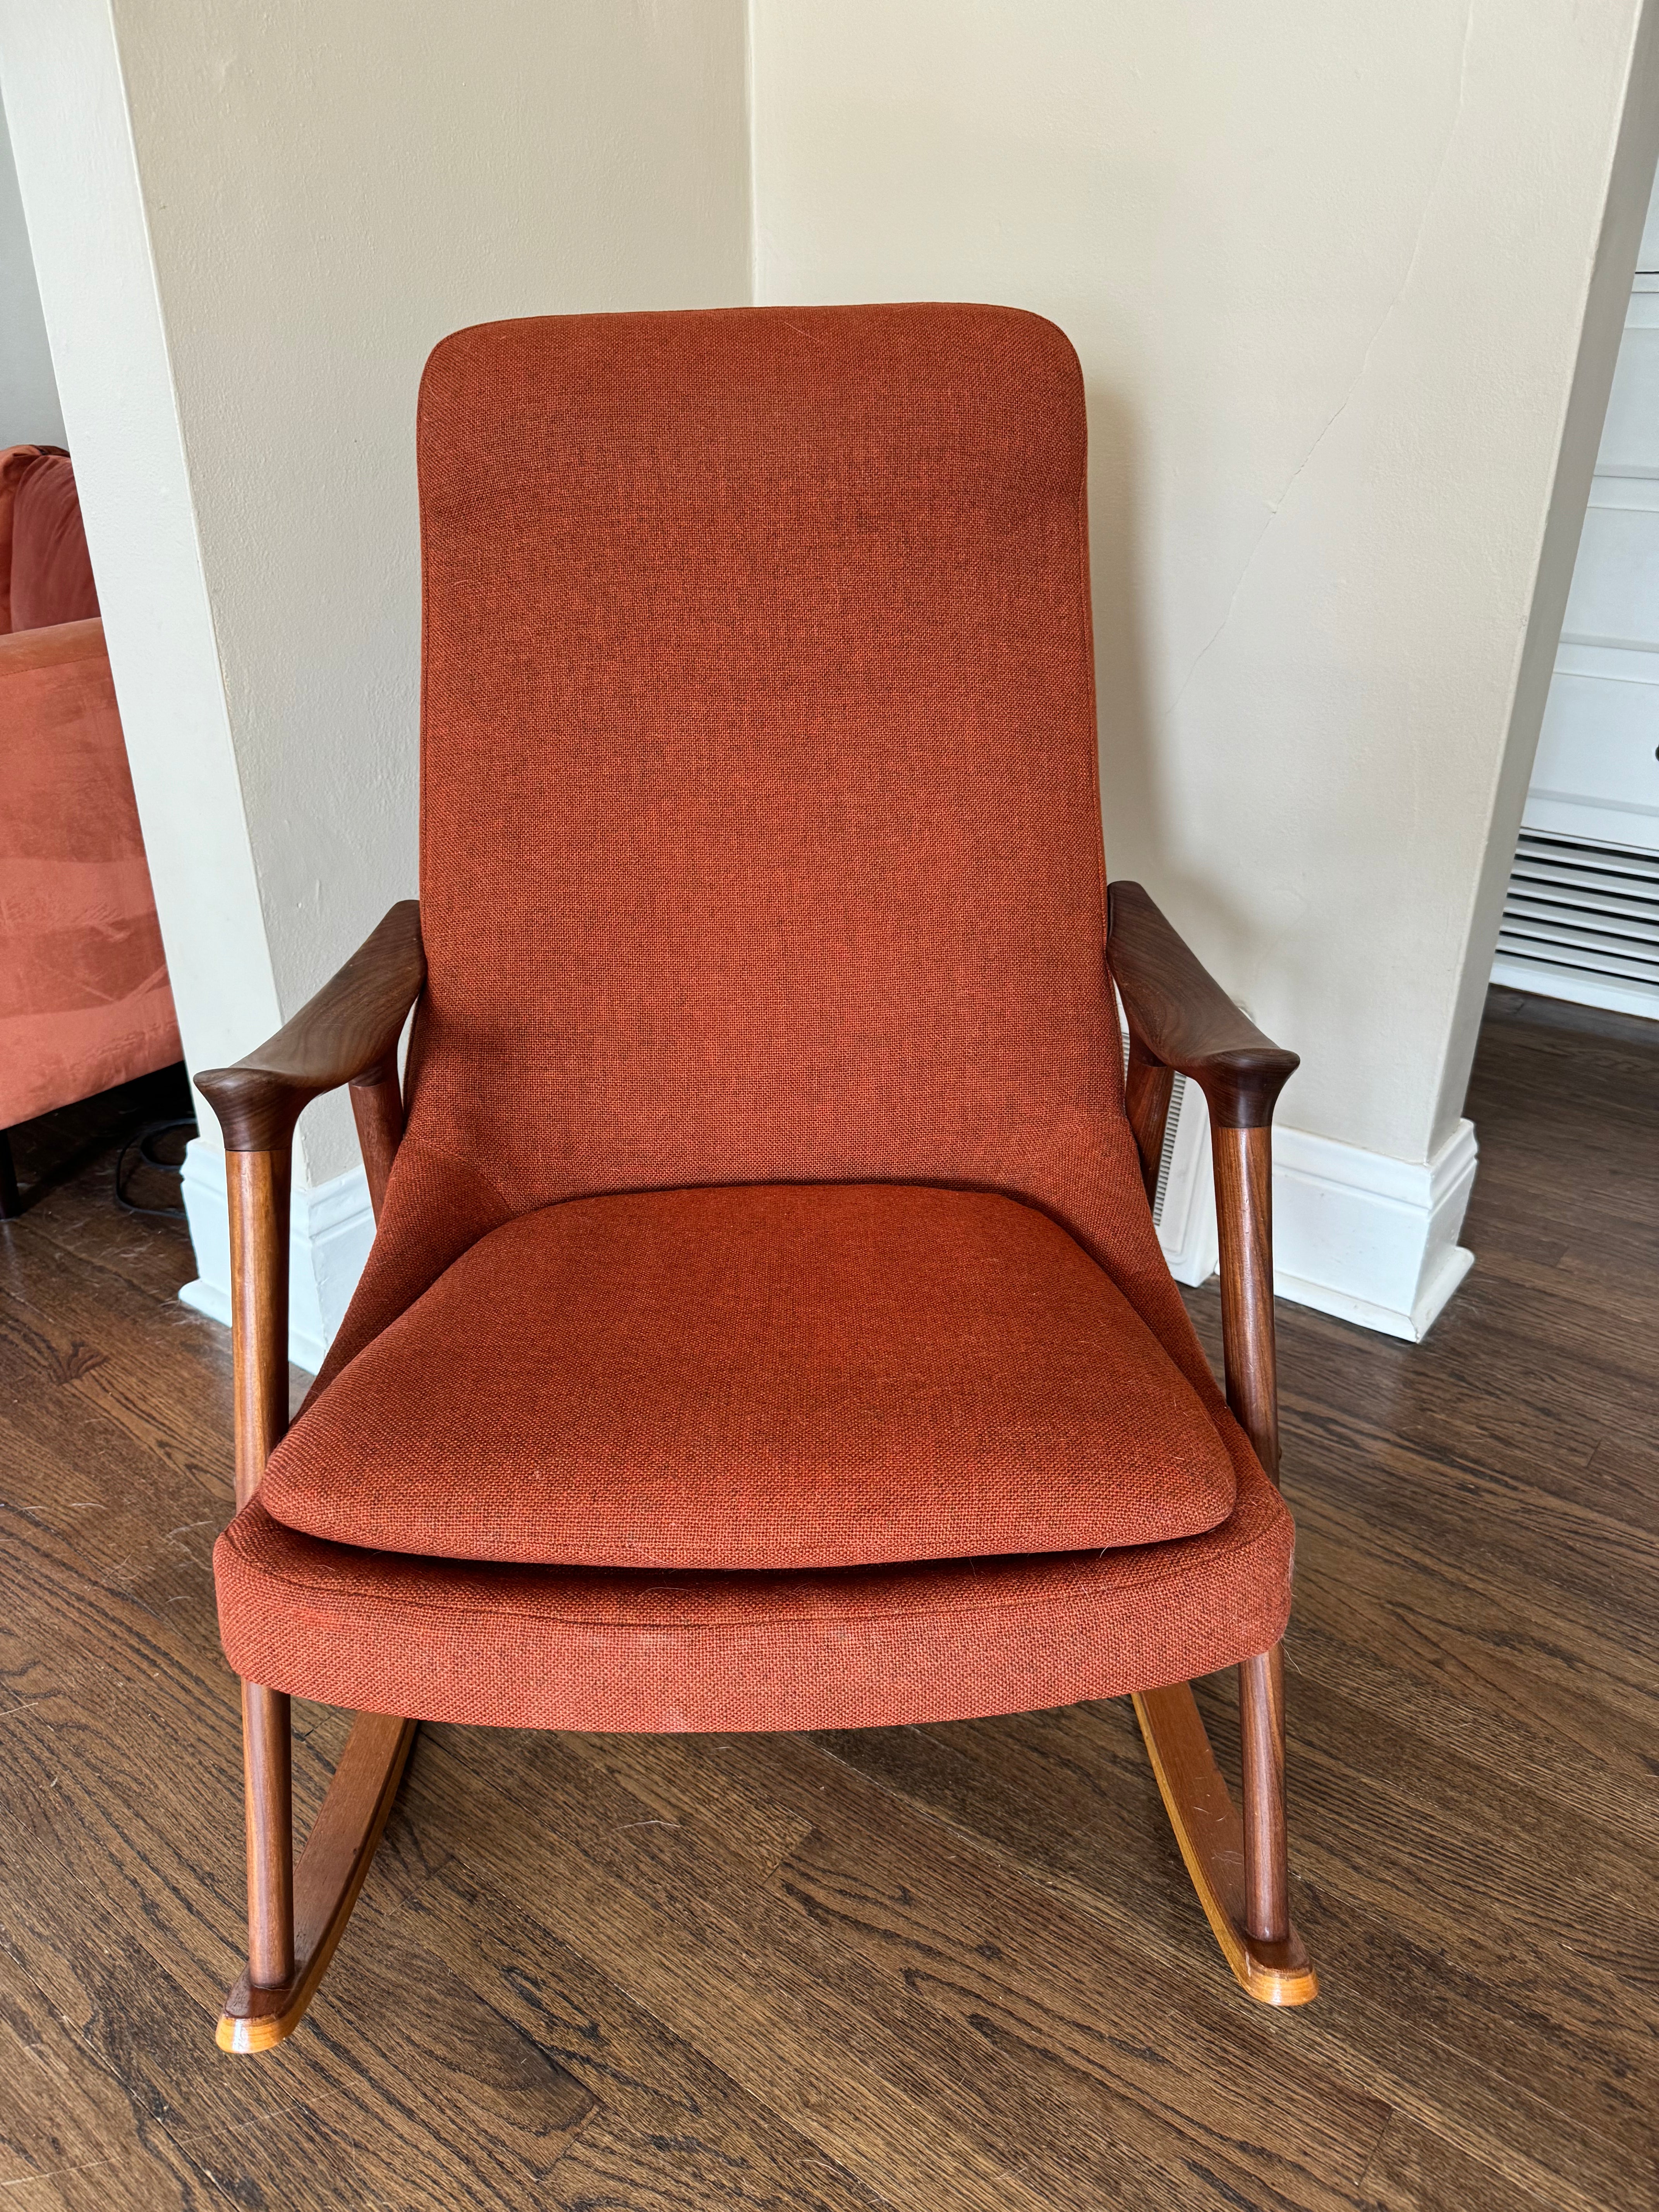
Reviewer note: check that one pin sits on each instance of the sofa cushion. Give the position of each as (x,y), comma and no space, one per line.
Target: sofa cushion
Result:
(14,460)
(84,1001)
(51,569)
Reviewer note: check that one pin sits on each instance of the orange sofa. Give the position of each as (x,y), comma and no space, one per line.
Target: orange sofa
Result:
(84,997)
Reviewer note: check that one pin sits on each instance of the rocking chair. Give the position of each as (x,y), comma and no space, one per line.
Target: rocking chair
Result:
(765,1325)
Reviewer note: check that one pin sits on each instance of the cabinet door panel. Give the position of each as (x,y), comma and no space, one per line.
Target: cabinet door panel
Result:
(1597,749)
(1614,599)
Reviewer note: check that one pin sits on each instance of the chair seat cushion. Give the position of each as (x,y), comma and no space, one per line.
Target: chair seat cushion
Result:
(850,1647)
(781,1375)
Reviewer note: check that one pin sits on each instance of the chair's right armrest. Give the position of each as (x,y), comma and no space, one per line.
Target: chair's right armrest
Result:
(1182,1021)
(346,1033)
(1180,1018)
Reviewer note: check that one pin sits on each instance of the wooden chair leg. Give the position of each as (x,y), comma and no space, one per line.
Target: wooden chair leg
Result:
(295,1920)
(11,1203)
(1237,1866)
(1266,1874)
(268,1795)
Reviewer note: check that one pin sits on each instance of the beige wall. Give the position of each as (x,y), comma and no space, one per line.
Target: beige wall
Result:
(29,412)
(1328,272)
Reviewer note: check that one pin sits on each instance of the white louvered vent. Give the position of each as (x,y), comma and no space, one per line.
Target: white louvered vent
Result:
(1166,1159)
(1582,920)
(1183,1204)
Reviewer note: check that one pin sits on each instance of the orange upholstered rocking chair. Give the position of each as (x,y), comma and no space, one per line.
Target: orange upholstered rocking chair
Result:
(765,1326)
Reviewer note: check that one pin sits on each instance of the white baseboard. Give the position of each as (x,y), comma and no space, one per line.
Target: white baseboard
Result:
(1367,1238)
(330,1229)
(1361,1235)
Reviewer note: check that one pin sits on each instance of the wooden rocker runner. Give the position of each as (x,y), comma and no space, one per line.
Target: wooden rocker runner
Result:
(765,1326)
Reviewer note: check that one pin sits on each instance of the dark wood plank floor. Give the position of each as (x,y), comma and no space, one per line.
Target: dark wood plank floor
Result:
(944,1967)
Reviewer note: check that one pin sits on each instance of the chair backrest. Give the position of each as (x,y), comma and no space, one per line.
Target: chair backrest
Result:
(760,826)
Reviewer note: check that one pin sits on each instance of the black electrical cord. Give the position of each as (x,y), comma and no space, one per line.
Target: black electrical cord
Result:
(141,1142)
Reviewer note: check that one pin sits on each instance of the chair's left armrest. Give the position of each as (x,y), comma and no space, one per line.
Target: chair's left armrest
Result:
(346,1033)
(1183,1023)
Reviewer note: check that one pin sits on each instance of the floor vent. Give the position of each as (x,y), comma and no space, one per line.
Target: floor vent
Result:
(1581,921)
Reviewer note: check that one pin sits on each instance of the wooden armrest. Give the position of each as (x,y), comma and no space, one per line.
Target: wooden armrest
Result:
(1180,1018)
(346,1033)
(1183,1023)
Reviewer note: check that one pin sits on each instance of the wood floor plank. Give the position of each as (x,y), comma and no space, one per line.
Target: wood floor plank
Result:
(1492,1534)
(414,2090)
(662,2108)
(140,1606)
(876,2079)
(169,2180)
(410,2037)
(1475,1724)
(921,1900)
(172,1408)
(1514,1886)
(62,2105)
(1048,1791)
(611,2163)
(1506,1649)
(1474,1670)
(684,1778)
(1415,2170)
(1102,2030)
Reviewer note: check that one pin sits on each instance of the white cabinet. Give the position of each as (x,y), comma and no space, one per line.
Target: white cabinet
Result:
(1582,917)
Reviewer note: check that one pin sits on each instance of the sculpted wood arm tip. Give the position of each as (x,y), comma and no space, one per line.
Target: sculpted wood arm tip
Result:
(1180,1018)
(346,1033)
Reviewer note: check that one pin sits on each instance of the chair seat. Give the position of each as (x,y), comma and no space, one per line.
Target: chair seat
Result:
(859,1647)
(782,1376)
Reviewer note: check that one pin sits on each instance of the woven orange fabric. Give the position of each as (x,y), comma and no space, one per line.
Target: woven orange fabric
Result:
(760,830)
(51,569)
(14,462)
(760,847)
(576,1647)
(775,1376)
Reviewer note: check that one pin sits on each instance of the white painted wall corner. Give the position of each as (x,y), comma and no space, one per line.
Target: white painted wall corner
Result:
(330,1229)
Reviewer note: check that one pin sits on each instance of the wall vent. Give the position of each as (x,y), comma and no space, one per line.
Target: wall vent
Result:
(1581,921)
(1166,1159)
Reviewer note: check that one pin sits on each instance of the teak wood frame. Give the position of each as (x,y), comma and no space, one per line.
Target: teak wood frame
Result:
(1180,1022)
